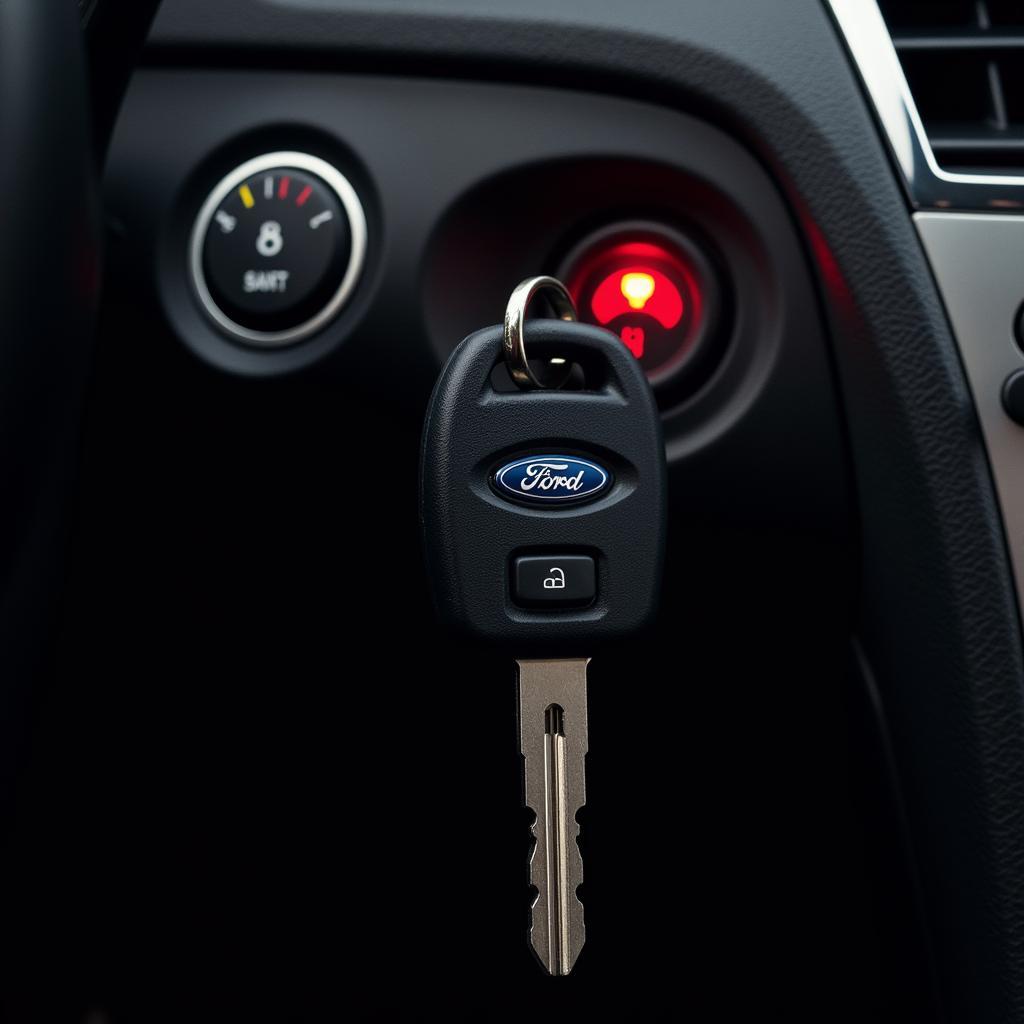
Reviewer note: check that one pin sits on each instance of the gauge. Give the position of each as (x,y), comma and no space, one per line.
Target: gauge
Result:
(277,248)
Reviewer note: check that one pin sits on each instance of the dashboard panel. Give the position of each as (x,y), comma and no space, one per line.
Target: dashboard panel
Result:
(827,708)
(466,193)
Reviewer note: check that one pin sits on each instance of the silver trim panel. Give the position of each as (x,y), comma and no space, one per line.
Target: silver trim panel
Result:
(930,187)
(978,261)
(349,200)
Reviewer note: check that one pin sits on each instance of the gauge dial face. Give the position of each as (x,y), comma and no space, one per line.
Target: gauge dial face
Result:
(275,246)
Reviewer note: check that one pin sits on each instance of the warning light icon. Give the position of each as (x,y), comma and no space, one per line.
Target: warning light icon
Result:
(652,288)
(637,288)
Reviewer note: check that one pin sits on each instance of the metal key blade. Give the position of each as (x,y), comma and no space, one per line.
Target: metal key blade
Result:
(553,740)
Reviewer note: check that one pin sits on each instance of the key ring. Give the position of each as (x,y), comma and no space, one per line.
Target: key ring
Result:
(515,315)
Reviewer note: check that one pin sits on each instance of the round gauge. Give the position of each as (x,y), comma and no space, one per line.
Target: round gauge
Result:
(277,248)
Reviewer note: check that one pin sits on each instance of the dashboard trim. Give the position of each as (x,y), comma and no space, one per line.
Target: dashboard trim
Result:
(976,259)
(973,256)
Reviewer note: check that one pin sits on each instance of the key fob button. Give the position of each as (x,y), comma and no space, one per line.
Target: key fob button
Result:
(539,580)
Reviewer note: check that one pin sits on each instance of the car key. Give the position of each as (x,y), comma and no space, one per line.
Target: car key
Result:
(543,513)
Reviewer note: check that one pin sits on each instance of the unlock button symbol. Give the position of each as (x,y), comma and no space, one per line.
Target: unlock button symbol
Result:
(555,579)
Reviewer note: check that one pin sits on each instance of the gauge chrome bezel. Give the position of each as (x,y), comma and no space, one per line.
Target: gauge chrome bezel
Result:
(350,203)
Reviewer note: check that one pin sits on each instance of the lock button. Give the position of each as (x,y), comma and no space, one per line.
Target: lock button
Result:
(557,580)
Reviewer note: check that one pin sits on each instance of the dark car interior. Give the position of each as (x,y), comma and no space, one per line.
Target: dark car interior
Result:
(262,594)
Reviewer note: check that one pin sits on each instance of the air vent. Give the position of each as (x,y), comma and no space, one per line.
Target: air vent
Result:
(964,61)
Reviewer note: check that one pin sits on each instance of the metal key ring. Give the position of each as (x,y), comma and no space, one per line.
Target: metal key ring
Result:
(515,316)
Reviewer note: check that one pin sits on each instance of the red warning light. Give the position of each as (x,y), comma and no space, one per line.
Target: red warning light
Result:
(646,285)
(637,289)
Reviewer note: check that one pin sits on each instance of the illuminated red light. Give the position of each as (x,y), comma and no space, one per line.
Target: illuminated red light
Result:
(610,298)
(647,289)
(637,288)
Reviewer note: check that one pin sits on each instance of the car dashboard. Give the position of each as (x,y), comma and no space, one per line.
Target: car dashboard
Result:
(264,778)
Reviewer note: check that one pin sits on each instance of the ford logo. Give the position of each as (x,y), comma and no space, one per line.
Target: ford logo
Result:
(552,480)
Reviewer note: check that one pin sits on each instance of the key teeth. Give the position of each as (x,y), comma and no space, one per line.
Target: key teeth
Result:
(553,744)
(539,930)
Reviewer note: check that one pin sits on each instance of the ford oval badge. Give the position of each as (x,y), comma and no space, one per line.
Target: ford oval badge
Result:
(552,480)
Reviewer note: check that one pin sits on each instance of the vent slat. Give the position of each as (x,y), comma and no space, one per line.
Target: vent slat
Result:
(953,41)
(978,140)
(980,150)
